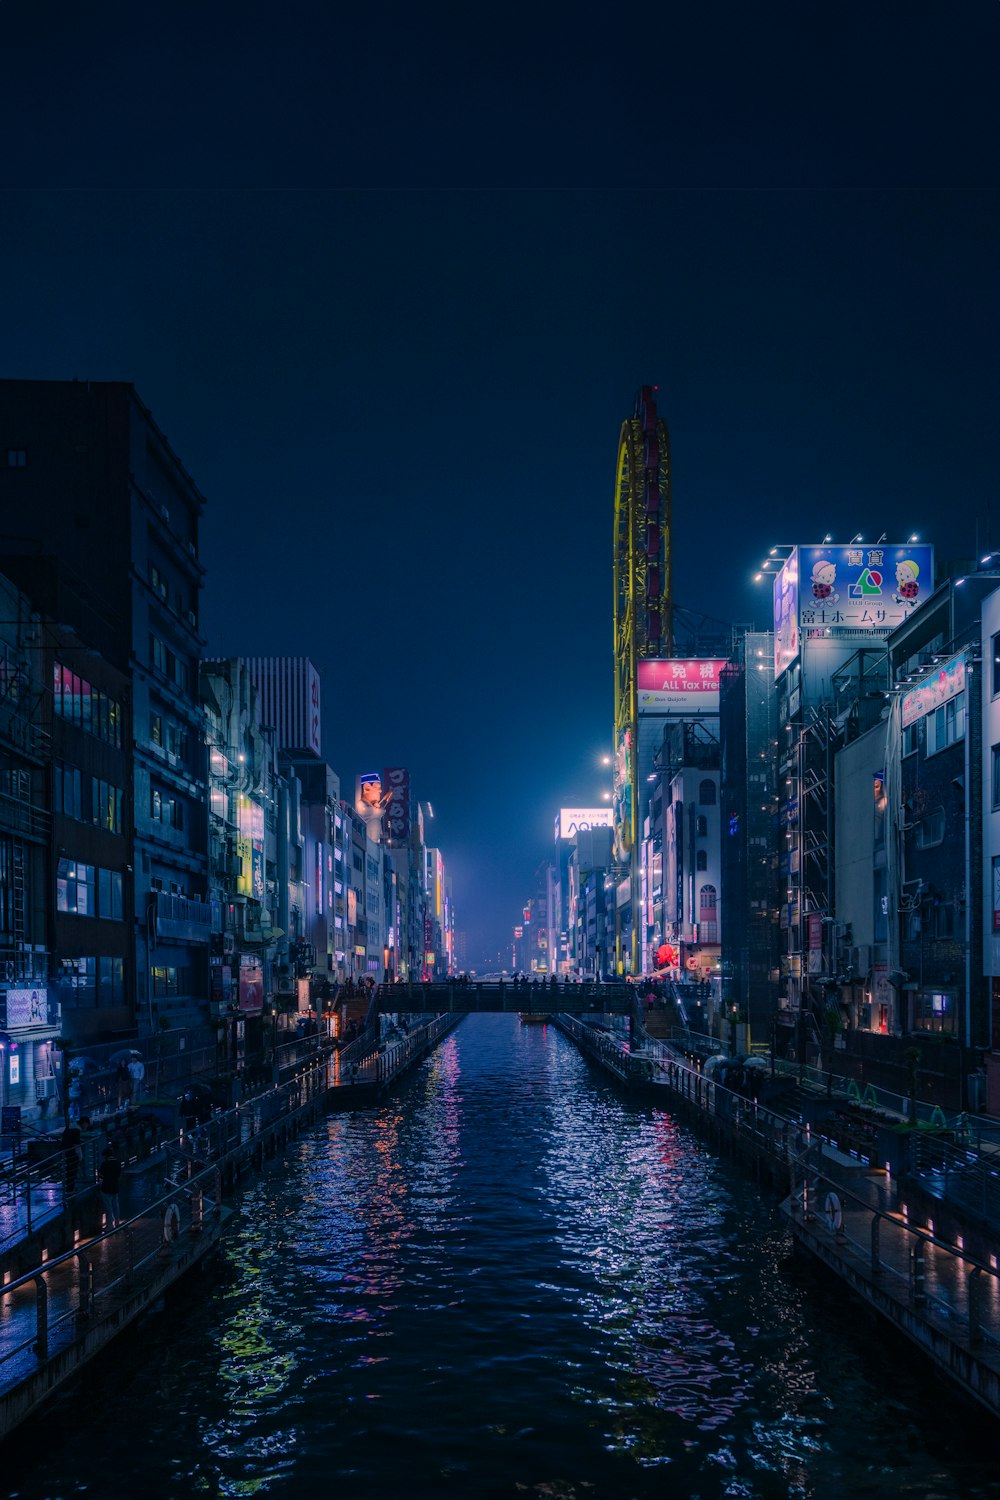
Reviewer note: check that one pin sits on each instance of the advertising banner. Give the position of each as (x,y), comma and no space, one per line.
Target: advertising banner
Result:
(860,587)
(370,802)
(572,819)
(939,686)
(251,985)
(678,686)
(786,614)
(27,1007)
(396,792)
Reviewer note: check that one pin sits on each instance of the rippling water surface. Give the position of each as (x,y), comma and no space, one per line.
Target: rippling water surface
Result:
(506,1282)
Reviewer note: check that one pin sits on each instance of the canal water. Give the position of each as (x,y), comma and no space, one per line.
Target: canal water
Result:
(506,1281)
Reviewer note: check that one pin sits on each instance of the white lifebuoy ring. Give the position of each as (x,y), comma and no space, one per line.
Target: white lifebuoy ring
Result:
(171,1223)
(833,1213)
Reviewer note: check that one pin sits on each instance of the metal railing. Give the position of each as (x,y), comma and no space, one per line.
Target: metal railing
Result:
(949,1289)
(73,1290)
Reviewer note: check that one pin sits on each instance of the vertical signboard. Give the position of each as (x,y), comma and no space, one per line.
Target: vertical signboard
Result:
(786,614)
(815,931)
(313,709)
(396,792)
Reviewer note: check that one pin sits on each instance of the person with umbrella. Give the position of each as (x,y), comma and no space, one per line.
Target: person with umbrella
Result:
(124,1083)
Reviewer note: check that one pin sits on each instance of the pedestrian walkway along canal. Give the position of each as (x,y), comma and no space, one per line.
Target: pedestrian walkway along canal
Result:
(506,1281)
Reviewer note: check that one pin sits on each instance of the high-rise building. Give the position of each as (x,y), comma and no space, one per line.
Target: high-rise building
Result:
(288,688)
(108,525)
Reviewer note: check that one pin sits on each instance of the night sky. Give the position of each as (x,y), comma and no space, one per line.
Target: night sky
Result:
(389,284)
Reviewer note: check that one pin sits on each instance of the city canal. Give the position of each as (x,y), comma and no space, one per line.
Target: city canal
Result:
(506,1281)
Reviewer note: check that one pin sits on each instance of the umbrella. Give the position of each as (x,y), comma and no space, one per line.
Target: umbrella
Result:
(126,1055)
(83,1064)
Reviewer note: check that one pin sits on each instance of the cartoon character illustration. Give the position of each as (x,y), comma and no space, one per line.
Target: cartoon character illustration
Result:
(824,576)
(907,587)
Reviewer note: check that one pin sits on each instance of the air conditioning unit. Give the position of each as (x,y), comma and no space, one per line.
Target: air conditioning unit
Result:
(861,959)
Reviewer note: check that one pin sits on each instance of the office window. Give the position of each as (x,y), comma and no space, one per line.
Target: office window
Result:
(75,888)
(706,794)
(995,654)
(946,725)
(995,776)
(701,860)
(68,790)
(111,981)
(155,729)
(106,805)
(79,977)
(109,895)
(936,1011)
(164,981)
(930,830)
(17,458)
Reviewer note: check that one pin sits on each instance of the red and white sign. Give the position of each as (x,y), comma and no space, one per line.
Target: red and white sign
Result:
(678,686)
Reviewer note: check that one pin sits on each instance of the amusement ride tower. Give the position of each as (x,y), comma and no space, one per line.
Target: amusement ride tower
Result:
(643,628)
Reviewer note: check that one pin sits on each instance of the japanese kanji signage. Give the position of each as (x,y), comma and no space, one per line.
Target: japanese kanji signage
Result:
(862,587)
(396,818)
(679,686)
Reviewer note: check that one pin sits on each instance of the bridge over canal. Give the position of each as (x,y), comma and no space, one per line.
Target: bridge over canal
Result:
(505,996)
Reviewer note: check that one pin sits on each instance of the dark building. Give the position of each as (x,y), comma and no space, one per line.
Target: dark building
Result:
(937,971)
(97,490)
(93,960)
(754,858)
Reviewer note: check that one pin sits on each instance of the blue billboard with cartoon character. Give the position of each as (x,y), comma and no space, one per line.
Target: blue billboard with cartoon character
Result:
(862,587)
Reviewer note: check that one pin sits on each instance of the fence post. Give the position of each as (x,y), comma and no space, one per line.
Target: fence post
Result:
(41,1320)
(876,1261)
(130,1245)
(917,1289)
(975,1305)
(86,1287)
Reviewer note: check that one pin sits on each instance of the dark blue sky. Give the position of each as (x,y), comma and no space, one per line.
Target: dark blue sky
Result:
(389,286)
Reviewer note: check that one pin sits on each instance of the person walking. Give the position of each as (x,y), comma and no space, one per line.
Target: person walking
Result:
(137,1072)
(111,1176)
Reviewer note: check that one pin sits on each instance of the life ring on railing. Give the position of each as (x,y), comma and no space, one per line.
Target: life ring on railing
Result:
(833,1213)
(171,1224)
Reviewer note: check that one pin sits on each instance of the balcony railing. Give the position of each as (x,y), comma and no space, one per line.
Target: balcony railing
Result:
(182,919)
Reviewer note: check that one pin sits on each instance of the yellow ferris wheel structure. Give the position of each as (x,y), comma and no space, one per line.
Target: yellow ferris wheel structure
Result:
(643,625)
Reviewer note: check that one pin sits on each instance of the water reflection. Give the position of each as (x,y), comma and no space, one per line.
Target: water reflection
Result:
(508,1282)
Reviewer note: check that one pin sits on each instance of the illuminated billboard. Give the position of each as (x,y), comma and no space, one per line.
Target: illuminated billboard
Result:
(251,985)
(572,819)
(678,686)
(786,615)
(396,801)
(872,589)
(370,802)
(938,687)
